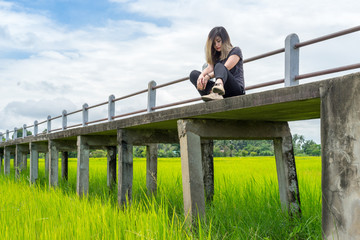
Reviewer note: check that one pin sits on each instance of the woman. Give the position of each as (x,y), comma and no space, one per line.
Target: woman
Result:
(225,64)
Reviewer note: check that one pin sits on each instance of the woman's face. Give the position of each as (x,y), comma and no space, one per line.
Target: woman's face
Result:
(217,43)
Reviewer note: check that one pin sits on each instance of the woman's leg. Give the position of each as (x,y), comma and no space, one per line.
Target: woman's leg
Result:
(231,86)
(194,75)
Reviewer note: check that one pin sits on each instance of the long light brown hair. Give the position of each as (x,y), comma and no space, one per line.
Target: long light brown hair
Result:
(211,55)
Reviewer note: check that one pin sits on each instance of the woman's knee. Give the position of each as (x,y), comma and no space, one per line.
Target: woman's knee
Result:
(194,75)
(219,66)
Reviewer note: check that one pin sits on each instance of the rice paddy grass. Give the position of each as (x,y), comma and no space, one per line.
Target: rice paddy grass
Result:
(246,204)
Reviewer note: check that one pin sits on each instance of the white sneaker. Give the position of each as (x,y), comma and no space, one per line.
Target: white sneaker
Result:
(211,96)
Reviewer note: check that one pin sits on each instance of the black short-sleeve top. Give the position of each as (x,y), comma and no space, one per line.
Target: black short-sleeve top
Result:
(237,71)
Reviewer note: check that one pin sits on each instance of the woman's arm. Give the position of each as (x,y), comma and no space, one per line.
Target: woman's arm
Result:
(205,76)
(232,61)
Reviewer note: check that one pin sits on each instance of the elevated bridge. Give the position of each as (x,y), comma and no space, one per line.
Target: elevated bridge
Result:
(263,115)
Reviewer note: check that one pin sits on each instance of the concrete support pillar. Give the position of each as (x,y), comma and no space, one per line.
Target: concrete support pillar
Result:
(47,164)
(207,149)
(191,168)
(1,158)
(340,141)
(286,173)
(151,169)
(82,176)
(20,151)
(53,164)
(125,178)
(24,162)
(64,165)
(7,153)
(34,162)
(111,167)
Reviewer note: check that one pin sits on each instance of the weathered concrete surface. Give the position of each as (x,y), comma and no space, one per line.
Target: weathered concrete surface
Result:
(151,169)
(286,173)
(7,153)
(111,166)
(34,162)
(20,151)
(53,163)
(64,165)
(191,130)
(1,159)
(191,168)
(82,174)
(207,149)
(340,141)
(47,164)
(35,148)
(125,178)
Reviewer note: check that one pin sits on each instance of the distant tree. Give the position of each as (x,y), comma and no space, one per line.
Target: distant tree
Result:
(311,148)
(20,133)
(98,153)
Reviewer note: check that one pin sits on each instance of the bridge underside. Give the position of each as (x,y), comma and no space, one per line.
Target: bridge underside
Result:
(261,115)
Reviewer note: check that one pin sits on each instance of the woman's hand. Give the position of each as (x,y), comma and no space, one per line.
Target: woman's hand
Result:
(202,81)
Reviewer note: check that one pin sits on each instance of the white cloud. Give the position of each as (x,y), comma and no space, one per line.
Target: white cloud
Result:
(121,57)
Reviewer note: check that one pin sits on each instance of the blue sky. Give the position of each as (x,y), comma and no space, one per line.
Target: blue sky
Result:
(60,54)
(83,13)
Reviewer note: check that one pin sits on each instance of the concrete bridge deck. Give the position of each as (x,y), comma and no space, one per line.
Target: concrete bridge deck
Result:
(261,115)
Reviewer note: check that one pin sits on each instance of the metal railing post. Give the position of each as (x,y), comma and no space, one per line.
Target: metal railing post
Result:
(64,120)
(15,133)
(111,108)
(85,114)
(48,130)
(36,128)
(291,60)
(7,135)
(24,131)
(151,96)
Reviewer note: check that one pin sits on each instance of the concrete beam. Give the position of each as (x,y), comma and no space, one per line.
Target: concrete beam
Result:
(215,129)
(125,178)
(232,129)
(151,169)
(82,177)
(53,164)
(340,141)
(191,168)
(144,136)
(111,167)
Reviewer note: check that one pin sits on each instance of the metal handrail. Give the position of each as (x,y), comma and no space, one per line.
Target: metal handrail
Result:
(171,83)
(328,71)
(131,113)
(176,103)
(97,105)
(266,84)
(130,95)
(77,111)
(281,50)
(327,37)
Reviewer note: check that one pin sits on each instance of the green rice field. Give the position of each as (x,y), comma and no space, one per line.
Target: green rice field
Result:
(246,204)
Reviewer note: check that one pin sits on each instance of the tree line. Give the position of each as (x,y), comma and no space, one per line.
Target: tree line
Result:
(223,148)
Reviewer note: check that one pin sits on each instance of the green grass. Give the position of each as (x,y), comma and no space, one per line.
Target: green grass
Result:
(246,204)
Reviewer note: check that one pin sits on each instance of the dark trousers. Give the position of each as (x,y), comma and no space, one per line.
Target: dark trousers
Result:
(231,86)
